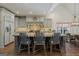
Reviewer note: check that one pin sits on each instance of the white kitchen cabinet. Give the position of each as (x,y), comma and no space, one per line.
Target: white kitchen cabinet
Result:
(7,27)
(6,33)
(48,22)
(34,19)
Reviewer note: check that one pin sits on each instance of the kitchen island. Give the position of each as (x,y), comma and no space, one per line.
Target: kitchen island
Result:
(31,35)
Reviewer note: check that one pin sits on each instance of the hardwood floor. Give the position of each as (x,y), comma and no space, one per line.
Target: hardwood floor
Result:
(71,50)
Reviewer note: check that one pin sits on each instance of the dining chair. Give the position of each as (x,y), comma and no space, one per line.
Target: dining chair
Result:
(76,40)
(70,38)
(55,39)
(17,41)
(63,45)
(39,40)
(24,40)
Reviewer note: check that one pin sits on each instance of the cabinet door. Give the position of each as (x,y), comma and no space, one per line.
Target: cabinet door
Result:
(6,33)
(11,32)
(48,22)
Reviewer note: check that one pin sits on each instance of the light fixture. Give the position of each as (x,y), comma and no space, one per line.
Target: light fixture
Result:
(30,12)
(74,17)
(17,12)
(75,22)
(75,12)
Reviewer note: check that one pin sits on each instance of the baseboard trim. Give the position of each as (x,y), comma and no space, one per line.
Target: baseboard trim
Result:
(9,43)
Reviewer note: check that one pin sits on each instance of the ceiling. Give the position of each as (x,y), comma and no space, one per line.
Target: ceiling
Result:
(38,9)
(22,9)
(73,8)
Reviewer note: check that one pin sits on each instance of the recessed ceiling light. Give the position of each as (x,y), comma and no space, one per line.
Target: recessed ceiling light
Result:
(17,12)
(30,12)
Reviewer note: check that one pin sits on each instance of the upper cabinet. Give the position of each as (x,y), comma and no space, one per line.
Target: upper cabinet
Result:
(48,22)
(34,19)
(22,22)
(8,15)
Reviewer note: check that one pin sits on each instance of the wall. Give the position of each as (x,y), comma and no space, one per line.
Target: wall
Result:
(0,29)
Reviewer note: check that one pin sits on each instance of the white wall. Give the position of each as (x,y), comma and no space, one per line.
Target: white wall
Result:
(1,41)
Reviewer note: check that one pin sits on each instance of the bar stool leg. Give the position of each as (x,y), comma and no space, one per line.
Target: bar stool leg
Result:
(28,49)
(51,49)
(34,50)
(19,48)
(45,50)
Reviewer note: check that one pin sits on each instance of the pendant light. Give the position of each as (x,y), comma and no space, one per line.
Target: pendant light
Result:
(75,12)
(75,17)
